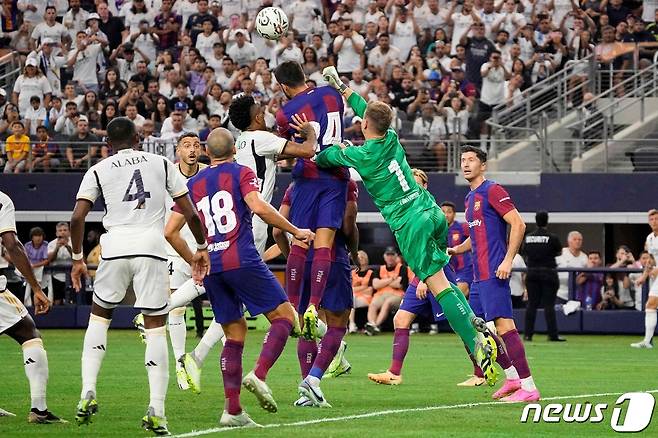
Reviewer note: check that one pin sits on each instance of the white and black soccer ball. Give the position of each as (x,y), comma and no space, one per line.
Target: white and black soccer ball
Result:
(272,23)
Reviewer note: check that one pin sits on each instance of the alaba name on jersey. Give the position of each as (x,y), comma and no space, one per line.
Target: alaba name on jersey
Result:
(458,232)
(323,107)
(485,208)
(185,232)
(258,150)
(136,188)
(218,193)
(7,224)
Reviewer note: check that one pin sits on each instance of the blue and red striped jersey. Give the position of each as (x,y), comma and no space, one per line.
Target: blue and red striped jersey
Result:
(323,107)
(457,233)
(219,194)
(485,208)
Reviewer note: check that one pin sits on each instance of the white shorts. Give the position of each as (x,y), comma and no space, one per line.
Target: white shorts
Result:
(149,278)
(179,272)
(260,234)
(653,291)
(11,310)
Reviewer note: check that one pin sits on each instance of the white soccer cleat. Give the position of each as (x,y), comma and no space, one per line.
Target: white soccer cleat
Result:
(642,344)
(192,372)
(240,420)
(313,393)
(262,392)
(4,413)
(303,402)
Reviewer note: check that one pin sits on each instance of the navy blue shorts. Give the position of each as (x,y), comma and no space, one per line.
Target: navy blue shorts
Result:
(318,203)
(338,293)
(428,307)
(255,287)
(491,298)
(465,275)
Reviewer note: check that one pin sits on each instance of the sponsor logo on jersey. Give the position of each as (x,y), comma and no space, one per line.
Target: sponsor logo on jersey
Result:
(475,223)
(219,246)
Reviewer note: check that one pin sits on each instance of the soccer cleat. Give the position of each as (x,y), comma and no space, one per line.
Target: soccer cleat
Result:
(386,378)
(138,322)
(472,381)
(415,328)
(322,328)
(157,425)
(339,365)
(43,417)
(87,407)
(521,395)
(642,344)
(485,350)
(353,328)
(303,402)
(372,329)
(181,377)
(311,319)
(262,392)
(296,326)
(240,420)
(509,387)
(434,329)
(314,394)
(4,413)
(191,370)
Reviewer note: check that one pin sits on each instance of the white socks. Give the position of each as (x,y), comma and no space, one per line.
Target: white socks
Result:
(177,331)
(36,370)
(528,384)
(184,294)
(650,317)
(93,352)
(511,373)
(156,361)
(214,334)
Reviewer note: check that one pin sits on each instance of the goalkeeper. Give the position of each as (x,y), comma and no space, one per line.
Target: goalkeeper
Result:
(411,212)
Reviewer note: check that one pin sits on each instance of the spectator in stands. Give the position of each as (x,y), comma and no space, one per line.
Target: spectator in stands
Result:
(70,95)
(389,284)
(111,26)
(625,259)
(44,152)
(161,112)
(9,116)
(112,87)
(49,28)
(66,124)
(610,296)
(461,21)
(590,283)
(83,60)
(143,76)
(403,30)
(31,83)
(82,152)
(37,253)
(494,75)
(50,59)
(243,52)
(361,287)
(348,47)
(406,95)
(383,57)
(572,257)
(3,100)
(287,50)
(479,50)
(611,53)
(124,56)
(35,116)
(456,113)
(145,40)
(17,148)
(167,24)
(75,19)
(615,10)
(94,31)
(59,255)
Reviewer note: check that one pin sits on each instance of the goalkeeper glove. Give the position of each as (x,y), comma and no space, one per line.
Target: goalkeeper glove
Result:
(330,74)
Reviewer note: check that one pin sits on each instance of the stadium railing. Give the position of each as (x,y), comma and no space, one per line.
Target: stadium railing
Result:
(10,69)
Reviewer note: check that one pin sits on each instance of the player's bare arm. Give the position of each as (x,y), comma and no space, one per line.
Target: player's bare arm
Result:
(16,253)
(272,217)
(172,234)
(351,230)
(200,261)
(305,131)
(514,219)
(461,248)
(279,236)
(79,270)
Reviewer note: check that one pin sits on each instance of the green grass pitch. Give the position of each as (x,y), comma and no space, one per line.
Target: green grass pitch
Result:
(583,365)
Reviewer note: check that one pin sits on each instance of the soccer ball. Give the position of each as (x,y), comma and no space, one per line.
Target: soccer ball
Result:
(271,23)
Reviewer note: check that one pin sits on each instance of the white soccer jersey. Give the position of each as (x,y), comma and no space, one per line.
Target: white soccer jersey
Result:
(136,187)
(7,223)
(258,150)
(185,232)
(652,245)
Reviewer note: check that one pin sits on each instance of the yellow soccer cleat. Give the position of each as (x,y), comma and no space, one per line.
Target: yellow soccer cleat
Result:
(386,378)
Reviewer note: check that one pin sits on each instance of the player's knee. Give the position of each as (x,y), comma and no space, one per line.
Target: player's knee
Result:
(504,325)
(652,303)
(283,311)
(402,320)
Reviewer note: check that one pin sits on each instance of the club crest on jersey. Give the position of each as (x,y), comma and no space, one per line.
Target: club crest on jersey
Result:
(455,236)
(476,206)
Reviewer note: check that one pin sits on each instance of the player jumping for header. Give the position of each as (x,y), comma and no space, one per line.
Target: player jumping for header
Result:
(320,195)
(417,222)
(489,209)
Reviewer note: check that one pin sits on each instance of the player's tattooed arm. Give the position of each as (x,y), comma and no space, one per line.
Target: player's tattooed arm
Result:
(172,234)
(304,130)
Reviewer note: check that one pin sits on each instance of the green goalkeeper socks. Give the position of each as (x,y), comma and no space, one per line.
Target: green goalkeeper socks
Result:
(459,314)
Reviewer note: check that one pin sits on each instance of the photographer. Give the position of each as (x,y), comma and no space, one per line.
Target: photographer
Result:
(145,41)
(494,75)
(625,259)
(610,299)
(457,112)
(403,30)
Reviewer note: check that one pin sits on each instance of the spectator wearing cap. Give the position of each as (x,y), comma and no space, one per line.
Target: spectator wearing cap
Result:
(187,122)
(348,47)
(194,25)
(83,147)
(44,152)
(403,30)
(243,52)
(459,77)
(83,60)
(167,25)
(17,148)
(75,19)
(461,22)
(478,51)
(383,57)
(31,83)
(51,60)
(389,283)
(94,31)
(125,59)
(110,25)
(49,28)
(145,40)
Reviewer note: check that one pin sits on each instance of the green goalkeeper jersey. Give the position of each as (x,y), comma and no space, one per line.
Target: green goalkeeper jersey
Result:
(383,166)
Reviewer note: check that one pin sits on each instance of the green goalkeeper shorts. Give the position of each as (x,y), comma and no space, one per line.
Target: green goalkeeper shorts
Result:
(423,242)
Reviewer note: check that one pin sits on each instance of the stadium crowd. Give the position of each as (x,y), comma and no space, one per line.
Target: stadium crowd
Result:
(174,65)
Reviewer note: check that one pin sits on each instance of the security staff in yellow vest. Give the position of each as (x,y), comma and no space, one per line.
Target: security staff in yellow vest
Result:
(389,282)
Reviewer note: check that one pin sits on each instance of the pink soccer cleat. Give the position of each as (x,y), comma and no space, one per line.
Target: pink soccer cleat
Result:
(509,387)
(521,395)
